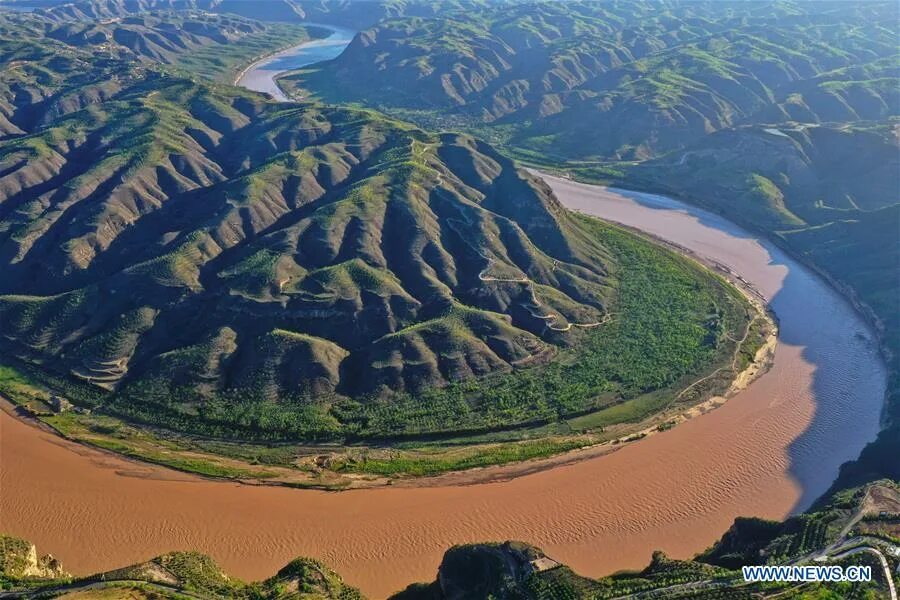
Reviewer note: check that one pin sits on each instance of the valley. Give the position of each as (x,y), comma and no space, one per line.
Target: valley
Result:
(201,283)
(273,299)
(704,472)
(781,116)
(260,76)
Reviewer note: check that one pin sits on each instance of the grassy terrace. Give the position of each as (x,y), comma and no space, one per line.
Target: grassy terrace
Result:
(617,383)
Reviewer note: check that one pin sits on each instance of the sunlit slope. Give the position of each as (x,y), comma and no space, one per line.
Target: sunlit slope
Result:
(219,262)
(780,115)
(625,81)
(284,249)
(205,44)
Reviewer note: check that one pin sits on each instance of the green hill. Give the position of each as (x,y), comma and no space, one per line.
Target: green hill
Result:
(618,81)
(780,115)
(218,263)
(344,13)
(206,44)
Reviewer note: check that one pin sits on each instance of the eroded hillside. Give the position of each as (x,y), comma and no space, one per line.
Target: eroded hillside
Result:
(215,261)
(213,215)
(781,115)
(582,80)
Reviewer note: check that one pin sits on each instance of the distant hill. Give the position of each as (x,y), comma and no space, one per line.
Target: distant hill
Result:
(206,44)
(580,80)
(215,46)
(345,13)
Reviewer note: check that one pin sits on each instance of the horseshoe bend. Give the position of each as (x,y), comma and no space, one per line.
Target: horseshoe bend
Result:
(261,328)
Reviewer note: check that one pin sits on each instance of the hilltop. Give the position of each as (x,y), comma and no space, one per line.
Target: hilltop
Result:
(172,575)
(198,257)
(344,13)
(201,43)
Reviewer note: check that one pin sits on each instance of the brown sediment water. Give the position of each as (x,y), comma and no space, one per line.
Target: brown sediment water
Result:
(768,451)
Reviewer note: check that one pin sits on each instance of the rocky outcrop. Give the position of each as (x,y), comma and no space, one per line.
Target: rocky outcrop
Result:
(19,559)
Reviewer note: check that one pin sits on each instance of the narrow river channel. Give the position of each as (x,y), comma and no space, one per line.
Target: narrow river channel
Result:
(260,76)
(767,452)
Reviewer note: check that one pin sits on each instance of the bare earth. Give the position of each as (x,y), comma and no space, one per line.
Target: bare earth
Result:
(768,451)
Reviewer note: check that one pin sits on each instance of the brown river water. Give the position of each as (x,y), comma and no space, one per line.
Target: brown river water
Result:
(768,452)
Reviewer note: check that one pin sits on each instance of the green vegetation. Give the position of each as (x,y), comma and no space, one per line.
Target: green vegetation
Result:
(22,567)
(222,63)
(418,464)
(613,371)
(213,46)
(245,269)
(782,116)
(20,391)
(201,467)
(576,82)
(353,15)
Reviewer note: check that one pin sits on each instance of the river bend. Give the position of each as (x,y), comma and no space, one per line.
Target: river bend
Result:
(767,452)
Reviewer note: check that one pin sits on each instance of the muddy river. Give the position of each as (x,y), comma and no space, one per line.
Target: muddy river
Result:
(767,452)
(260,76)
